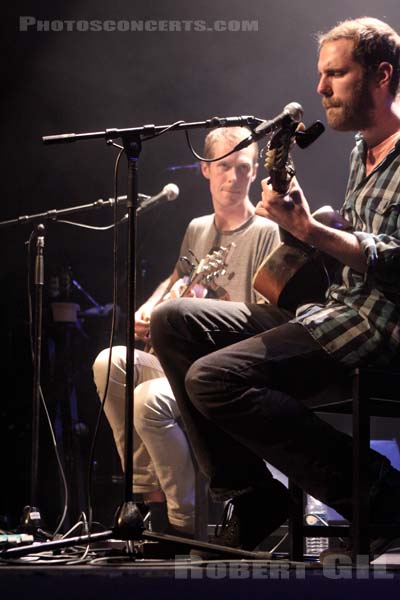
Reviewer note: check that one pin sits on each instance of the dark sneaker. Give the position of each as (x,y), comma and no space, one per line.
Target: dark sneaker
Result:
(248,519)
(385,512)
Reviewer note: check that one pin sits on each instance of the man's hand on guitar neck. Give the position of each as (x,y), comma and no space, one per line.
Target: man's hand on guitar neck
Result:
(290,211)
(181,288)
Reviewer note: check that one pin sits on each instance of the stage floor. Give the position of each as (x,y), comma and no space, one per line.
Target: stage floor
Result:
(97,576)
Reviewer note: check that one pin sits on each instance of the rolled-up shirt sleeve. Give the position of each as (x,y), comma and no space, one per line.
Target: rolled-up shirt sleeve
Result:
(383,260)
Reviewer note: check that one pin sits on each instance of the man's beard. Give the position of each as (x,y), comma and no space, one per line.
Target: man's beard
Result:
(354,114)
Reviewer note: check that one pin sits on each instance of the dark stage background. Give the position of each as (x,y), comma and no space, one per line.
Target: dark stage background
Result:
(81,81)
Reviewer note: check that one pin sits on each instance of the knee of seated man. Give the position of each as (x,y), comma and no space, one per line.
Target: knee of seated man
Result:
(100,365)
(150,405)
(167,318)
(160,318)
(101,360)
(202,380)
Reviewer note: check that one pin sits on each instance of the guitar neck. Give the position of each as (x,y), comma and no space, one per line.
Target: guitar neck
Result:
(280,180)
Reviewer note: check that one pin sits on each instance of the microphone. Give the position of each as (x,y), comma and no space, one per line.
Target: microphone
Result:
(168,193)
(292,112)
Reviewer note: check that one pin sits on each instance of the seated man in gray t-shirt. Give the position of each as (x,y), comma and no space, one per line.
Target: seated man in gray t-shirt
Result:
(162,461)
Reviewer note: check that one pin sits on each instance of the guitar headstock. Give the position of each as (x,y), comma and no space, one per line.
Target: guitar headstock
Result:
(278,160)
(210,267)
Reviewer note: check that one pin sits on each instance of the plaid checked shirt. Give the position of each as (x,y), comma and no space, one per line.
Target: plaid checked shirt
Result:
(360,321)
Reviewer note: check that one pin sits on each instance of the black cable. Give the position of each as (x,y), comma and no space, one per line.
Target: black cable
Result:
(112,334)
(92,227)
(163,130)
(202,158)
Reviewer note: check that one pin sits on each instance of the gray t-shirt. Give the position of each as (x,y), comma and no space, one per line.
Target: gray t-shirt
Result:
(254,240)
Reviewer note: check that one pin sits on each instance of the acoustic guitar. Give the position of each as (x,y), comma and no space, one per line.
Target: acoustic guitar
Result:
(207,270)
(295,273)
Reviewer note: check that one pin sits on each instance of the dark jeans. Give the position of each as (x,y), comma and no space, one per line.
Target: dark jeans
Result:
(244,379)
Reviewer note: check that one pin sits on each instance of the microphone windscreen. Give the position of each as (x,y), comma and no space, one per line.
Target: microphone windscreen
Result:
(171,190)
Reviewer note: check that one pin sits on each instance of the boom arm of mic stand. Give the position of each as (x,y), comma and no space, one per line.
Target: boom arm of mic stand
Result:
(54,214)
(150,131)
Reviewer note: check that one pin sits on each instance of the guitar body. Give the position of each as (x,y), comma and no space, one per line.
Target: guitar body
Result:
(289,277)
(294,273)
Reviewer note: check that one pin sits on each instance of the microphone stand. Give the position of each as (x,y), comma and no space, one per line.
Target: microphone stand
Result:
(31,519)
(39,283)
(129,522)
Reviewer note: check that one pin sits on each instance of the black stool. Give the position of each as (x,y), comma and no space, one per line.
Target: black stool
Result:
(375,392)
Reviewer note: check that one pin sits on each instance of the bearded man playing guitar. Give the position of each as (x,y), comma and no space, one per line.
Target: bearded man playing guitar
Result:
(244,375)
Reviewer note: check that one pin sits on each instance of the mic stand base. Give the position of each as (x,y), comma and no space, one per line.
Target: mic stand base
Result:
(137,533)
(31,523)
(128,522)
(129,527)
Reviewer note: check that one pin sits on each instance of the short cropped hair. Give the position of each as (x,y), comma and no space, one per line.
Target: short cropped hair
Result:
(229,134)
(374,42)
